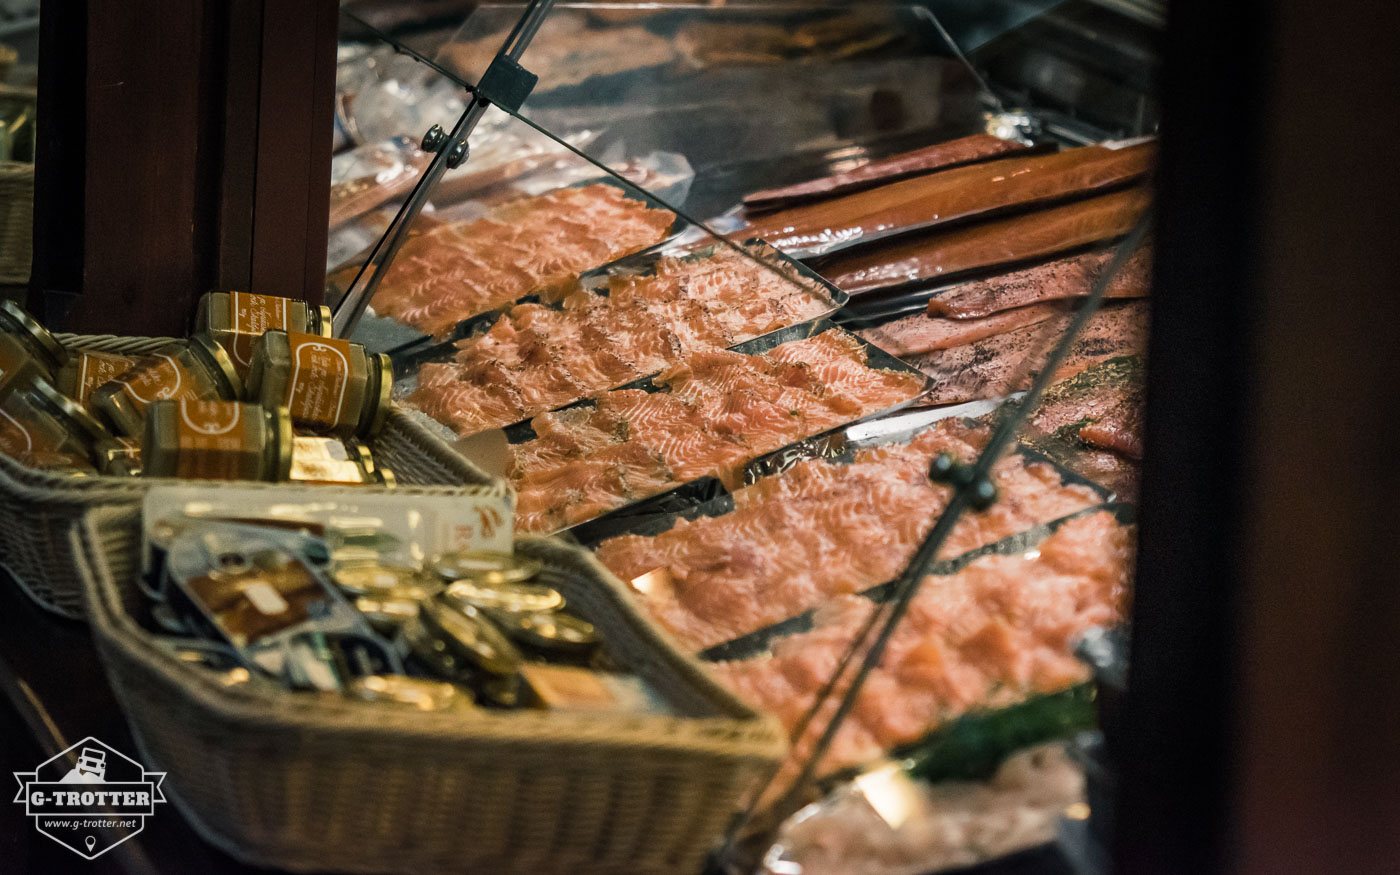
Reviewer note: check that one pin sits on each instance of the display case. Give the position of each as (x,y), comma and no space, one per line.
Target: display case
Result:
(689,269)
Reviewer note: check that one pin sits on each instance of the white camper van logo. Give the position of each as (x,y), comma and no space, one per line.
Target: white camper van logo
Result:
(90,798)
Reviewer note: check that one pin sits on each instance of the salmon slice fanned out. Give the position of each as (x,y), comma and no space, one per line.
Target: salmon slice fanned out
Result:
(995,632)
(552,356)
(455,271)
(722,410)
(822,529)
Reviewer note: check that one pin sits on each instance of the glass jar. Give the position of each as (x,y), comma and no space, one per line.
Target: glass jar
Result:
(216,440)
(87,369)
(196,370)
(234,320)
(42,428)
(18,367)
(331,386)
(45,349)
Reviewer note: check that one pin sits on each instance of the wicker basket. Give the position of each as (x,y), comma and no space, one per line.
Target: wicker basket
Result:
(16,221)
(302,782)
(38,508)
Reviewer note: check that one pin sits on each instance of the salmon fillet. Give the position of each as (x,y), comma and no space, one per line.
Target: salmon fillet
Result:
(921,332)
(955,195)
(941,156)
(941,255)
(1071,277)
(993,633)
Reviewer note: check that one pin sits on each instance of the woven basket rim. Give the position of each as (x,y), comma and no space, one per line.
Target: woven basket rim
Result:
(745,734)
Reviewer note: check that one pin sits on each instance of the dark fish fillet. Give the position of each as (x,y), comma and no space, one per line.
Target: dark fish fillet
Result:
(942,156)
(987,244)
(999,365)
(1055,280)
(921,333)
(1120,430)
(963,193)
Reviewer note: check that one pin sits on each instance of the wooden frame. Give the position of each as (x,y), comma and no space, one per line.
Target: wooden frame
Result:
(186,146)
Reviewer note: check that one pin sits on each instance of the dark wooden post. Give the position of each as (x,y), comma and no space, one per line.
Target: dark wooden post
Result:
(185,146)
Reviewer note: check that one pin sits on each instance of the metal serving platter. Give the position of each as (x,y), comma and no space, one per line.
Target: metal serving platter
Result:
(760,642)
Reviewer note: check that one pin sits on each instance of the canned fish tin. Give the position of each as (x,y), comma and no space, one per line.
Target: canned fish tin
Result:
(396,581)
(425,695)
(331,386)
(216,440)
(470,637)
(198,370)
(87,369)
(515,598)
(235,320)
(40,427)
(552,633)
(485,567)
(45,349)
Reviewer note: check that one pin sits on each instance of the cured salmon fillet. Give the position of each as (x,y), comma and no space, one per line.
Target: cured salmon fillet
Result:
(999,365)
(999,630)
(544,357)
(723,409)
(944,254)
(953,195)
(1071,277)
(921,332)
(823,529)
(941,156)
(455,271)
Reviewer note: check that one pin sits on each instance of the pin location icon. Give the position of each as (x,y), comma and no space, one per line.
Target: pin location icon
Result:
(90,842)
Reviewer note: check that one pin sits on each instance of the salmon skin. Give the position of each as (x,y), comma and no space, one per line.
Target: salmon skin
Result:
(975,191)
(943,255)
(1063,278)
(1005,363)
(921,333)
(941,156)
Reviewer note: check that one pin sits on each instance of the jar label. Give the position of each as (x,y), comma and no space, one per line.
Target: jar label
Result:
(96,368)
(161,378)
(320,377)
(323,460)
(250,315)
(212,446)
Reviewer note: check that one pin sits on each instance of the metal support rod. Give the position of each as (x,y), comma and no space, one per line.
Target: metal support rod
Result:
(350,308)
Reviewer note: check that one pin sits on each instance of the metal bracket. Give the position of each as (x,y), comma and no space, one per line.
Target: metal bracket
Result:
(506,83)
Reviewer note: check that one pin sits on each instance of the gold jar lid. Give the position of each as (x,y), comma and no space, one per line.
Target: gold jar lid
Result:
(485,566)
(323,317)
(281,421)
(471,636)
(203,344)
(516,598)
(87,426)
(385,581)
(12,312)
(380,363)
(425,695)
